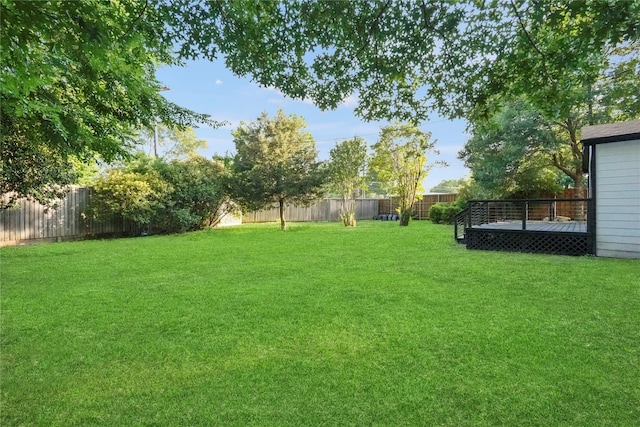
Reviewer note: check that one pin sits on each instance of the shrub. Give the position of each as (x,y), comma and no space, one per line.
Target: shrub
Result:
(133,196)
(444,213)
(198,198)
(177,196)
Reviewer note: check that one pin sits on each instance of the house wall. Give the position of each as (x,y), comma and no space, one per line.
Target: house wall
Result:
(618,199)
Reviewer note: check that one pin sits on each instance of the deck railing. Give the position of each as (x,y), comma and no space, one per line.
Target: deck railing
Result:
(523,212)
(460,223)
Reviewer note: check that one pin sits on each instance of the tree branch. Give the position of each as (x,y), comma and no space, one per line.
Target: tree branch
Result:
(372,27)
(135,21)
(428,24)
(557,162)
(530,39)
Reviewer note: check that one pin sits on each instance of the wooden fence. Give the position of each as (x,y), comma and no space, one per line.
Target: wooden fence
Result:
(326,210)
(420,209)
(31,221)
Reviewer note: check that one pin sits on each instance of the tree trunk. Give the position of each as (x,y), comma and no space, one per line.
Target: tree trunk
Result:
(405,216)
(348,212)
(573,168)
(283,223)
(580,211)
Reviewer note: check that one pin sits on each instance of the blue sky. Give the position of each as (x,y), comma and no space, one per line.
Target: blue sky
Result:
(210,88)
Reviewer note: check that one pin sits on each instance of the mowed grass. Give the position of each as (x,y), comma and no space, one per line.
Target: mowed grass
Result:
(319,325)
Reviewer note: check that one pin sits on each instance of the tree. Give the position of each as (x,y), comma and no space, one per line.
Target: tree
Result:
(134,196)
(511,153)
(32,169)
(346,175)
(565,83)
(400,162)
(198,196)
(275,163)
(521,142)
(559,55)
(449,185)
(76,79)
(176,143)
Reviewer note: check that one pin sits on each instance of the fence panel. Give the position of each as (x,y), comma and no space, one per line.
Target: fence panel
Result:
(325,210)
(31,221)
(421,208)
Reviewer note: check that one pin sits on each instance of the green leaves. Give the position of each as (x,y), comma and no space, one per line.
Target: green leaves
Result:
(509,154)
(175,196)
(347,174)
(77,77)
(406,59)
(400,163)
(275,162)
(134,196)
(347,167)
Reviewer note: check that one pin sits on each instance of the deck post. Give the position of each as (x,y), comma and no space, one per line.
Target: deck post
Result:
(591,224)
(525,208)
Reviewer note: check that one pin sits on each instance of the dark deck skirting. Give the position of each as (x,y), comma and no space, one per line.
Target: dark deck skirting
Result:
(560,238)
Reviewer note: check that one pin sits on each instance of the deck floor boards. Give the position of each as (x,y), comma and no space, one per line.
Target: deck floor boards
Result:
(556,227)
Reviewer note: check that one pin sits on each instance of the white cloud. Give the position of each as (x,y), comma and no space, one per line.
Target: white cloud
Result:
(350,101)
(218,82)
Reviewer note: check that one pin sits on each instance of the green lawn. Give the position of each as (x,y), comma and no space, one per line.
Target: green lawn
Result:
(319,325)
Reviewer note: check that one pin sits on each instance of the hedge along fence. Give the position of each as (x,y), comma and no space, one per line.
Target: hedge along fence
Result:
(325,210)
(420,209)
(30,221)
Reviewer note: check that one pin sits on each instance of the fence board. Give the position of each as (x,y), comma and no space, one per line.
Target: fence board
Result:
(325,210)
(31,221)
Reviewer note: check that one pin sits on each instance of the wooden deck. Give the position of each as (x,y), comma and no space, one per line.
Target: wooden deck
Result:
(497,225)
(548,226)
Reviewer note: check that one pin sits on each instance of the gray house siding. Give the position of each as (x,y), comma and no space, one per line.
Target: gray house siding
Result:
(618,199)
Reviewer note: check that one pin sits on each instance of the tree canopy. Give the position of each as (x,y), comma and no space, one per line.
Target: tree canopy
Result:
(510,154)
(161,196)
(347,175)
(449,185)
(523,145)
(407,58)
(170,143)
(77,78)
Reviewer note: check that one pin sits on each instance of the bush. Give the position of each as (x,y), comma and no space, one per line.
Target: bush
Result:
(133,196)
(177,196)
(198,198)
(444,213)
